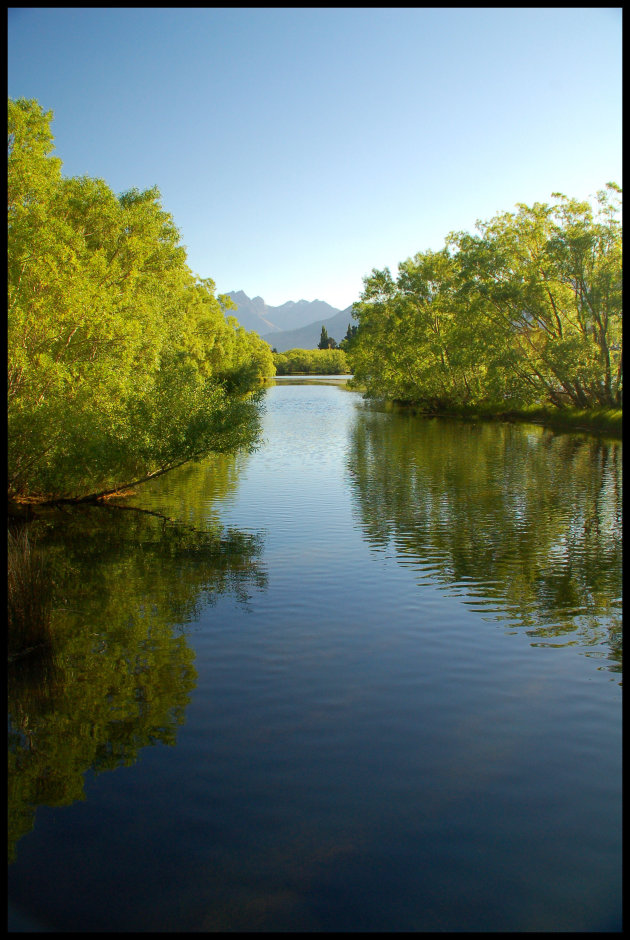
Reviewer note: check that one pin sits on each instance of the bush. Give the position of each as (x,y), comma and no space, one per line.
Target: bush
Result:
(311,362)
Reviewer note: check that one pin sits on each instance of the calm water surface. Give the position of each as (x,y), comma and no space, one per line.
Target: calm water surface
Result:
(367,678)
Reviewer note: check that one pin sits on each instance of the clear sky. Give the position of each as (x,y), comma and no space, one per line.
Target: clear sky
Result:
(297,149)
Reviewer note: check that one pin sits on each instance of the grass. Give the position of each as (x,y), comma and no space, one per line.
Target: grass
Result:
(606,421)
(29,595)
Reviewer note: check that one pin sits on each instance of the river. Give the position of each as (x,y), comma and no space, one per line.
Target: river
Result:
(367,678)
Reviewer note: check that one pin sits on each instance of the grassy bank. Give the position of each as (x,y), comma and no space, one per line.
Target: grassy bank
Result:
(606,421)
(600,421)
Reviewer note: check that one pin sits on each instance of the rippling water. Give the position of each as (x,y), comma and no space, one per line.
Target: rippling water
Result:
(367,678)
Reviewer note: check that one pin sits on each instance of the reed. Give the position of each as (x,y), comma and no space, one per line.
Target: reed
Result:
(29,595)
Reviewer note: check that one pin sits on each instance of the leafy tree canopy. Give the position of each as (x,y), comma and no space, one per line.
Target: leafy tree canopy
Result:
(122,363)
(311,362)
(526,310)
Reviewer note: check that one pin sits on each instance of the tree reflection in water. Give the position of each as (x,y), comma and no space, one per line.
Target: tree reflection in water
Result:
(523,523)
(120,671)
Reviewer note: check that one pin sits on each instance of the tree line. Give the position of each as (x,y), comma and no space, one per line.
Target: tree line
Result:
(327,361)
(122,363)
(527,310)
(329,342)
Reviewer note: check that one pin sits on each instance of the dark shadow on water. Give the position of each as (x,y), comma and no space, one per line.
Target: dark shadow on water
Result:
(119,671)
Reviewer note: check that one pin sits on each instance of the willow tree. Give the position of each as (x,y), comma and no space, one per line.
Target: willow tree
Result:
(122,364)
(414,344)
(548,278)
(526,310)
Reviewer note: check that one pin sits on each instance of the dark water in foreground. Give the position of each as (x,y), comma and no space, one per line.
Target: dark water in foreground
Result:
(368,678)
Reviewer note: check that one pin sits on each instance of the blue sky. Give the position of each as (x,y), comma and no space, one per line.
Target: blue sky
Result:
(297,149)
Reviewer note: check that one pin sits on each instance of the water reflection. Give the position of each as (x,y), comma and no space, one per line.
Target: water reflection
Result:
(120,672)
(521,522)
(339,381)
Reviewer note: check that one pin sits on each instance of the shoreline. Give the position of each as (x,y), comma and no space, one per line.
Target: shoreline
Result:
(604,422)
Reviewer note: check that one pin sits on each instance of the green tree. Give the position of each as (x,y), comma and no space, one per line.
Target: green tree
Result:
(412,343)
(281,363)
(122,364)
(323,340)
(527,310)
(549,280)
(326,341)
(311,362)
(351,332)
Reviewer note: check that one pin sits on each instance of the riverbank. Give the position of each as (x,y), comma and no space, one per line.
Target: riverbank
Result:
(607,421)
(290,375)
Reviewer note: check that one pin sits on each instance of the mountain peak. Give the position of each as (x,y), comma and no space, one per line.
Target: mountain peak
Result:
(254,314)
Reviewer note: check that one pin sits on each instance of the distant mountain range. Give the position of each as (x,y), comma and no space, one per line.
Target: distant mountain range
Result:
(254,314)
(307,337)
(293,325)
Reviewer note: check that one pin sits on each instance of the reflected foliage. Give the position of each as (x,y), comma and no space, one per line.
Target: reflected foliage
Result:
(119,672)
(517,520)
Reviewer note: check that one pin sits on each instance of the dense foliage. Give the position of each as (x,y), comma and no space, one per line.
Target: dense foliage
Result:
(526,311)
(311,362)
(326,341)
(122,363)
